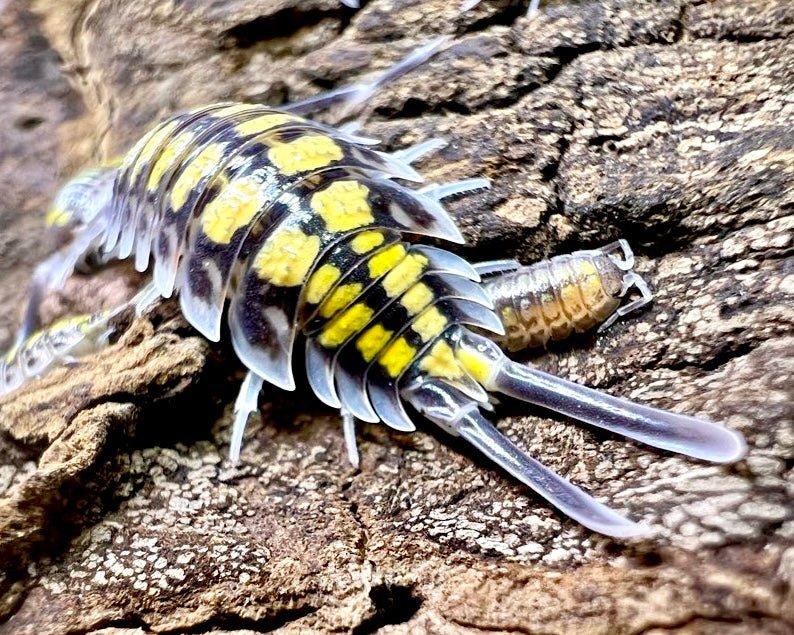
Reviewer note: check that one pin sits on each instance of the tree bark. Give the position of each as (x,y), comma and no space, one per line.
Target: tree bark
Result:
(668,123)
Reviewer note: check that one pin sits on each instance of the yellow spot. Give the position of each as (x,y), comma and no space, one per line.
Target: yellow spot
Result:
(381,262)
(233,208)
(321,282)
(365,242)
(167,158)
(404,274)
(305,153)
(346,324)
(571,298)
(263,123)
(416,298)
(431,323)
(286,257)
(509,317)
(198,168)
(478,365)
(586,268)
(372,341)
(397,356)
(343,206)
(342,296)
(592,290)
(57,217)
(441,362)
(151,144)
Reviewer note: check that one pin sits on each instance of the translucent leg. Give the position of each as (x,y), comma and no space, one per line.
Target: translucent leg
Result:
(349,427)
(352,97)
(246,403)
(438,191)
(496,267)
(630,280)
(533,7)
(626,263)
(144,299)
(418,150)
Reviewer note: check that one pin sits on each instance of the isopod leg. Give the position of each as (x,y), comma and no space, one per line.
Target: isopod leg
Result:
(496,267)
(246,403)
(630,280)
(350,98)
(349,428)
(145,298)
(533,7)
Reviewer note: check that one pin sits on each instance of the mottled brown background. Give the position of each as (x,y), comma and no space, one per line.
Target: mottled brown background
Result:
(669,123)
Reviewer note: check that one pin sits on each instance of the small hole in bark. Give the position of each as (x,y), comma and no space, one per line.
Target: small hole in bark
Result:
(394,604)
(28,123)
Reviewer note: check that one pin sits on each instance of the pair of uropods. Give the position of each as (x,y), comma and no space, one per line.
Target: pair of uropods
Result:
(300,233)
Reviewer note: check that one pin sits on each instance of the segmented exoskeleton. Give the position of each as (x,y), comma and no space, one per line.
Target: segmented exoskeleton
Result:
(569,293)
(306,232)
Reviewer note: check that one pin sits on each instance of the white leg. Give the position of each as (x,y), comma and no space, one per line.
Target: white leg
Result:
(349,428)
(246,403)
(353,96)
(438,191)
(145,298)
(630,280)
(533,7)
(624,264)
(418,150)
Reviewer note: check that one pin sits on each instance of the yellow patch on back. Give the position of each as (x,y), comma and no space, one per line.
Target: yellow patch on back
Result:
(381,262)
(233,208)
(365,242)
(343,206)
(404,274)
(151,145)
(304,153)
(585,268)
(201,166)
(263,123)
(397,357)
(509,317)
(592,290)
(417,298)
(320,283)
(168,157)
(372,341)
(57,217)
(429,324)
(572,299)
(346,324)
(479,366)
(441,362)
(343,295)
(286,257)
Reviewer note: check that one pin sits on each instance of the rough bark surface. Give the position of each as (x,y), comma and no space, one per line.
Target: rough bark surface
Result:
(670,123)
